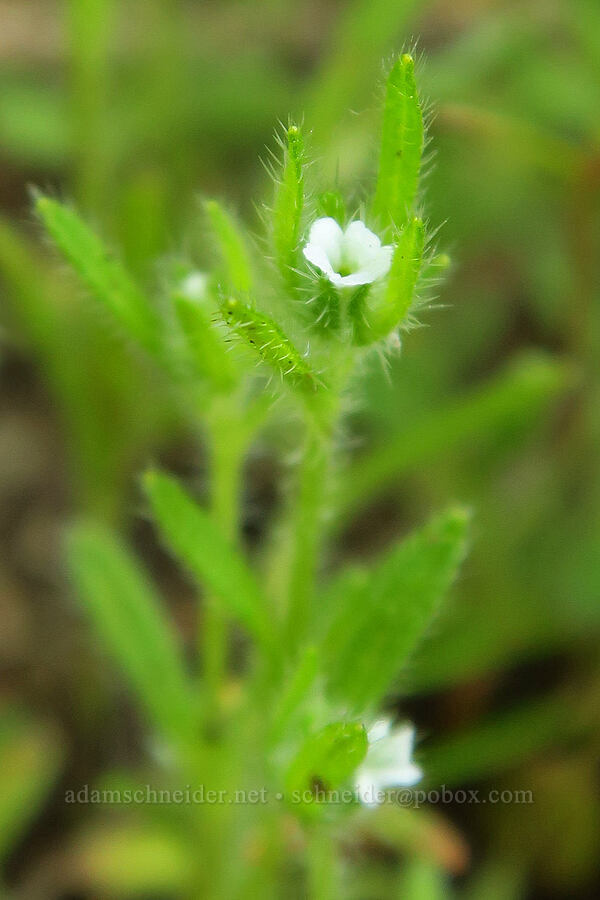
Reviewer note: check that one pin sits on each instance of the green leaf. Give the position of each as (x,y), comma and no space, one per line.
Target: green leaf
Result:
(402,143)
(393,307)
(326,760)
(289,203)
(196,540)
(231,246)
(105,277)
(266,340)
(207,348)
(385,612)
(127,614)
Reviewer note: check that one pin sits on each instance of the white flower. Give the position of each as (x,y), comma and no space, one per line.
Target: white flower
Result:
(194,285)
(348,258)
(388,762)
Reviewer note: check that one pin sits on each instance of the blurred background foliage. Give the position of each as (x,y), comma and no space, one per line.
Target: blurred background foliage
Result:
(133,108)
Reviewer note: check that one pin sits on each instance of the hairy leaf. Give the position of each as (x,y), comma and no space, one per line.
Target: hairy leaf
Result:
(384,614)
(265,338)
(104,276)
(195,539)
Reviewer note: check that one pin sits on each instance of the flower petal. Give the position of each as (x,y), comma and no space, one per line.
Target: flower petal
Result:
(360,245)
(355,279)
(316,255)
(378,266)
(327,234)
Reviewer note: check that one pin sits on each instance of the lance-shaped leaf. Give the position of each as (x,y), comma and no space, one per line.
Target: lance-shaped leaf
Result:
(402,144)
(289,203)
(231,247)
(103,275)
(384,613)
(127,614)
(388,310)
(193,536)
(269,343)
(207,348)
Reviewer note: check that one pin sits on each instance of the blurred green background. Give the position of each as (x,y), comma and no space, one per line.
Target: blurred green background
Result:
(134,108)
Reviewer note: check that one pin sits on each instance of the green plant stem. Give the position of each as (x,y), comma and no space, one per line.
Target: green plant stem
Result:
(307,529)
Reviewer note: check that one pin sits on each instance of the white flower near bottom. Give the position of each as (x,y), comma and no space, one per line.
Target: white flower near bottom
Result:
(348,258)
(388,762)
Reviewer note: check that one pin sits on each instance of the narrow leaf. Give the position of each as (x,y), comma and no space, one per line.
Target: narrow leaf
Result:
(402,144)
(128,617)
(104,276)
(386,612)
(231,246)
(195,539)
(268,342)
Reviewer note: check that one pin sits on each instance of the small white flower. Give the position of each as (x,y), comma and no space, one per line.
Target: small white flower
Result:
(348,258)
(194,285)
(388,762)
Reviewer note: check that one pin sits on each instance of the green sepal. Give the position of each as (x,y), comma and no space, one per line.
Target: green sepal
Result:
(391,307)
(325,761)
(325,307)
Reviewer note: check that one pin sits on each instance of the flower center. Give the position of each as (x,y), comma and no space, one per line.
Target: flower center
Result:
(347,265)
